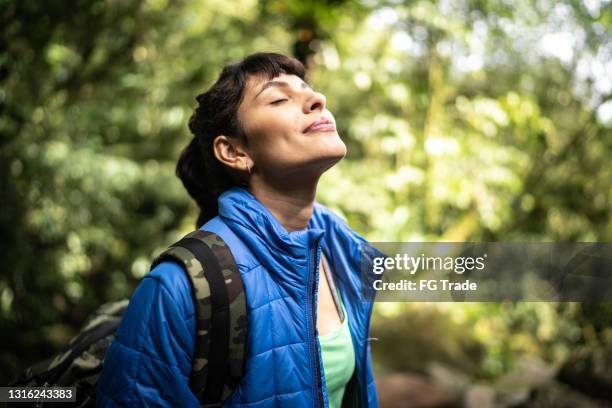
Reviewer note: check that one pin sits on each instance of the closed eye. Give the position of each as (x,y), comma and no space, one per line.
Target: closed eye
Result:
(277,102)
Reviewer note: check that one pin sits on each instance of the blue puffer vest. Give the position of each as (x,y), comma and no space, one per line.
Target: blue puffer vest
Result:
(280,274)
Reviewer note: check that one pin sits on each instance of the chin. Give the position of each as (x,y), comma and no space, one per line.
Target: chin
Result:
(341,151)
(333,147)
(333,155)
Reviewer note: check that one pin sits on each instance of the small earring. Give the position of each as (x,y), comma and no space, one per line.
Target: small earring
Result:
(248,168)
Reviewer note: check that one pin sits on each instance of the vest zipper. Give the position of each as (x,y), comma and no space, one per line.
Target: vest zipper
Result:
(366,391)
(317,388)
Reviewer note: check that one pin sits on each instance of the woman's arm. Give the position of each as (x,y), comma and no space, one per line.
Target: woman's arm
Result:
(149,362)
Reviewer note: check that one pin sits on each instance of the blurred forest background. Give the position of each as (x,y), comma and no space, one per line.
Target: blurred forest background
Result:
(466,120)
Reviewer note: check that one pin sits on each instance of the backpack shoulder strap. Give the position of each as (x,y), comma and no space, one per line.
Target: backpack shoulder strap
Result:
(221,318)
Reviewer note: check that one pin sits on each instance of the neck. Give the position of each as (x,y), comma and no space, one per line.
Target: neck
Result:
(291,206)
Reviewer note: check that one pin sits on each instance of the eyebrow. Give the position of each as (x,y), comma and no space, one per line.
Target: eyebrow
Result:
(282,84)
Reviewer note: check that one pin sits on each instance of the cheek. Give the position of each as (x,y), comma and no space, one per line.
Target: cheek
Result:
(278,152)
(276,131)
(270,122)
(268,143)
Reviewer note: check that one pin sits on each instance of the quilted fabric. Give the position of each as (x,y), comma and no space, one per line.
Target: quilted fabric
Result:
(150,360)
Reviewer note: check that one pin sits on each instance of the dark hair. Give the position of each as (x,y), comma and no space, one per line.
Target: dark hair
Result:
(205,177)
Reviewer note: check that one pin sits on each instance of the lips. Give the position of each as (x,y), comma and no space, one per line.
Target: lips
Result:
(322,124)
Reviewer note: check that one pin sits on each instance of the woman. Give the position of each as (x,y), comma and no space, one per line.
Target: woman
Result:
(262,139)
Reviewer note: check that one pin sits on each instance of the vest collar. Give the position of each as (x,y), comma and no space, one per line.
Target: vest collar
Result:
(285,254)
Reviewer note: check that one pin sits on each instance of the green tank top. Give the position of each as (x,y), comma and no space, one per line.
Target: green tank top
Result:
(338,358)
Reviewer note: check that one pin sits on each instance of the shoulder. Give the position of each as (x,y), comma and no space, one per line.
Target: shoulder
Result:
(240,252)
(173,284)
(158,324)
(174,280)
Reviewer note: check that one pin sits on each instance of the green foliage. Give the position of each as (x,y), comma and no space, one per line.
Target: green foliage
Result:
(465,120)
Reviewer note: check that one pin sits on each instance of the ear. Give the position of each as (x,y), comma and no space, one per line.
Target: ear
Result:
(231,153)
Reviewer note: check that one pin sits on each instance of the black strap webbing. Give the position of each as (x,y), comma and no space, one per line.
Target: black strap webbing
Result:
(220,324)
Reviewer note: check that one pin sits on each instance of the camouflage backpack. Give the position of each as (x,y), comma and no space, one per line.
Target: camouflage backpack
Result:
(221,329)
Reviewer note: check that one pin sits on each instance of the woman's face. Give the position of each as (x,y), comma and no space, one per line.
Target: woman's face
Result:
(275,115)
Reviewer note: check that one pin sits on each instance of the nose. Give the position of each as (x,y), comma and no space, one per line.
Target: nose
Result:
(314,101)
